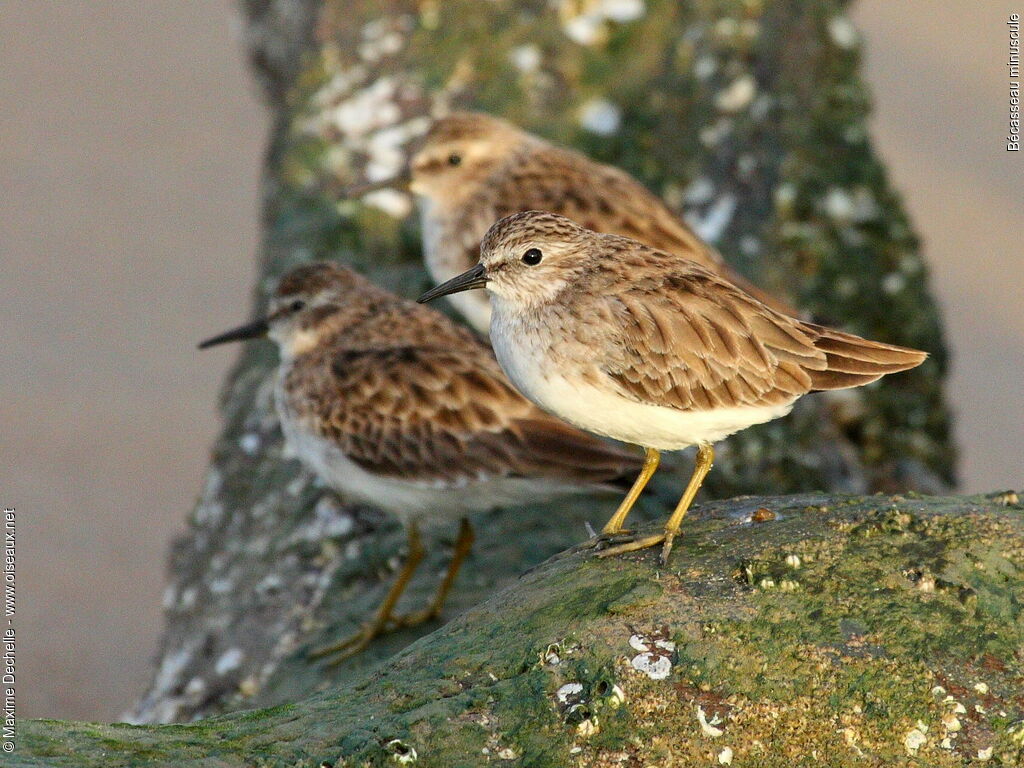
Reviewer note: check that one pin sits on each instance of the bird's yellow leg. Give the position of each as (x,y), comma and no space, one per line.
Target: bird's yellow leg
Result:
(379,623)
(705,460)
(614,525)
(463,546)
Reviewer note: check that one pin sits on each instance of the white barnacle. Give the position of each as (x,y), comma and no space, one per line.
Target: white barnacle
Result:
(588,727)
(639,643)
(704,67)
(1016,732)
(550,655)
(600,116)
(525,58)
(701,190)
(842,32)
(390,201)
(712,135)
(709,728)
(569,691)
(737,95)
(616,697)
(727,27)
(839,205)
(893,283)
(916,738)
(655,666)
(171,666)
(725,756)
(622,10)
(188,598)
(951,723)
(401,752)
(585,29)
(713,224)
(170,597)
(229,661)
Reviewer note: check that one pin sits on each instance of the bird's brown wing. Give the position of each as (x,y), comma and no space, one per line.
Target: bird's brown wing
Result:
(445,417)
(688,339)
(607,200)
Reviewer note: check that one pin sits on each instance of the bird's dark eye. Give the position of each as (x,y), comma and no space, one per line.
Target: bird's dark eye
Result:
(297,305)
(532,257)
(454,159)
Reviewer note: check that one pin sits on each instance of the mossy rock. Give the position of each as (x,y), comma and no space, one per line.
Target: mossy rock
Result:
(838,631)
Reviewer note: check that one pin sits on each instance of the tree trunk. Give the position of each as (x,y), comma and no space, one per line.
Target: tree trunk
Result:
(747,116)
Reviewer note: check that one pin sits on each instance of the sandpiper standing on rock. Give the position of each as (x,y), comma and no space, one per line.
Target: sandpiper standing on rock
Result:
(392,404)
(650,348)
(474,169)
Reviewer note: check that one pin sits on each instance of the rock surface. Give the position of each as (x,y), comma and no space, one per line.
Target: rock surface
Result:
(747,115)
(838,631)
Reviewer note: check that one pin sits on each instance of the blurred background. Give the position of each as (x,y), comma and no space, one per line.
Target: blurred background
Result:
(130,145)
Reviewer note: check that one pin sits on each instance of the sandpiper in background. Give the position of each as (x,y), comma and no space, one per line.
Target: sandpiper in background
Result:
(131,147)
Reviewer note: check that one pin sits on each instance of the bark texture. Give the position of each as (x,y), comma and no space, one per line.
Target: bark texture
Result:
(837,631)
(748,116)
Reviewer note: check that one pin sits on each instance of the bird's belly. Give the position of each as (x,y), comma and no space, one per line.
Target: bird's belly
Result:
(604,411)
(421,500)
(653,426)
(404,499)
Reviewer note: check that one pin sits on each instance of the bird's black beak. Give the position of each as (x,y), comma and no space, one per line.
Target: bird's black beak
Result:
(473,278)
(252,330)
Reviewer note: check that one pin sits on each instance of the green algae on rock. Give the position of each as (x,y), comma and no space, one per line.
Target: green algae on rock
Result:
(880,630)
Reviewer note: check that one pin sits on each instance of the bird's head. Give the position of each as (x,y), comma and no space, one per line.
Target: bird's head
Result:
(527,258)
(459,152)
(306,307)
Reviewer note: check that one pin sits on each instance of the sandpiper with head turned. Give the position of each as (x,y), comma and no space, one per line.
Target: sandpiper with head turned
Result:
(644,346)
(392,404)
(473,169)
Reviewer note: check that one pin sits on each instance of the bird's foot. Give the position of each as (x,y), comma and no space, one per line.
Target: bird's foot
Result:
(359,640)
(604,540)
(631,544)
(351,645)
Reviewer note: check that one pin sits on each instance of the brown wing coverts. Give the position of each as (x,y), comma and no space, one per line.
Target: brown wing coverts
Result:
(692,341)
(440,416)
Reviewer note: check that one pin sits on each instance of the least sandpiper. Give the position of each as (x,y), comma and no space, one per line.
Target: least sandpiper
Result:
(393,404)
(644,346)
(474,169)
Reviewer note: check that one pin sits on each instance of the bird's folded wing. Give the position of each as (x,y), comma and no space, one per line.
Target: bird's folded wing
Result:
(692,341)
(449,417)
